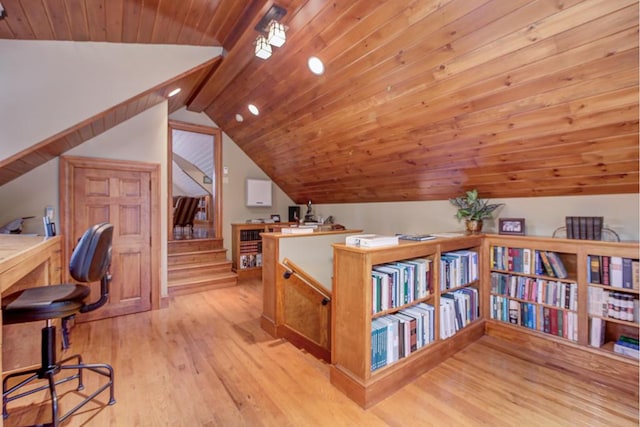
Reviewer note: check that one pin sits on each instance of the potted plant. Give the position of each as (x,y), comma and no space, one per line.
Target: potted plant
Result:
(473,210)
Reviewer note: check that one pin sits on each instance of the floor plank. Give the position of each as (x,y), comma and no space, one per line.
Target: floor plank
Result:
(205,361)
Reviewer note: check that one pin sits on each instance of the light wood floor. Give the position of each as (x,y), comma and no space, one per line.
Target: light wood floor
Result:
(204,361)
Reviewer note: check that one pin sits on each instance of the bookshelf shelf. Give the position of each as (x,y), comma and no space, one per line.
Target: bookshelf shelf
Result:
(247,247)
(364,364)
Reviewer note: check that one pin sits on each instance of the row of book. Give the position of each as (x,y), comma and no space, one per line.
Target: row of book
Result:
(554,321)
(614,271)
(627,346)
(584,227)
(613,305)
(250,261)
(458,268)
(246,235)
(395,336)
(458,309)
(399,283)
(543,291)
(528,261)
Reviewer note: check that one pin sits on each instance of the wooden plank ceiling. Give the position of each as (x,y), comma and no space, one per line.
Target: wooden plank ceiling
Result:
(421,99)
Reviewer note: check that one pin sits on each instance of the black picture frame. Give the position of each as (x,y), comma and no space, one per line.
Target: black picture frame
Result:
(294,213)
(275,217)
(513,226)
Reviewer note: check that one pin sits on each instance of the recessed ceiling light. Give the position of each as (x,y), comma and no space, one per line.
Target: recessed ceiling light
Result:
(315,65)
(174,92)
(239,118)
(253,109)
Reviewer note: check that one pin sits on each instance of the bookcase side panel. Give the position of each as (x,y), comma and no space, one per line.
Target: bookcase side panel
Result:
(351,326)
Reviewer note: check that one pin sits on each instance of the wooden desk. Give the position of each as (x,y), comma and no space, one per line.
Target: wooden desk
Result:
(26,261)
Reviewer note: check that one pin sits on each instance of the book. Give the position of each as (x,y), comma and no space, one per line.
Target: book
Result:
(546,264)
(627,272)
(371,240)
(594,269)
(615,271)
(557,265)
(296,230)
(416,237)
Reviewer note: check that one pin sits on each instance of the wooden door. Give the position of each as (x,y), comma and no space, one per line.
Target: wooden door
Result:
(121,195)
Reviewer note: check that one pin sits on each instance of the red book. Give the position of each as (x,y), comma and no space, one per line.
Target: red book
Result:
(604,266)
(553,315)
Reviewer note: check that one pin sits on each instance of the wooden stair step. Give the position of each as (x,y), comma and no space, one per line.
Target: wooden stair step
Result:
(197,284)
(197,257)
(194,245)
(181,271)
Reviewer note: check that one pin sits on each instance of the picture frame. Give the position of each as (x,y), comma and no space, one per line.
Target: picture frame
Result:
(513,226)
(294,213)
(275,217)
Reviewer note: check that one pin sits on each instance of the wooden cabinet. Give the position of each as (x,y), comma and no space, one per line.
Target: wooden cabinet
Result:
(247,247)
(355,368)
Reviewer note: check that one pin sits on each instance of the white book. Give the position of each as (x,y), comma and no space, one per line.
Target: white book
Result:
(615,271)
(371,240)
(296,230)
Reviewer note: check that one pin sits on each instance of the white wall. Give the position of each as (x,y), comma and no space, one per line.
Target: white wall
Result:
(542,214)
(142,138)
(240,167)
(49,86)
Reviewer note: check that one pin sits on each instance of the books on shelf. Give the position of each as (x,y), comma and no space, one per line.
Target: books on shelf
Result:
(398,283)
(527,261)
(614,271)
(540,290)
(458,268)
(371,240)
(395,336)
(297,230)
(416,237)
(584,227)
(613,305)
(596,332)
(627,346)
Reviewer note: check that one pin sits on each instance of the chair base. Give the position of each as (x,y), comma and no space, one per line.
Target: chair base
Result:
(48,371)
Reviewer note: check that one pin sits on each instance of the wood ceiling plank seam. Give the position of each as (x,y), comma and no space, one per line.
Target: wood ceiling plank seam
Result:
(110,118)
(98,126)
(222,25)
(148,16)
(544,28)
(96,17)
(206,76)
(5,30)
(86,132)
(208,10)
(191,18)
(114,20)
(78,20)
(37,19)
(56,11)
(131,17)
(167,23)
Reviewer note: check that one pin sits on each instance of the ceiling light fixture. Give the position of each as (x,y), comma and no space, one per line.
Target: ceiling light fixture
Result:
(316,65)
(276,36)
(239,118)
(174,92)
(263,48)
(253,109)
(272,32)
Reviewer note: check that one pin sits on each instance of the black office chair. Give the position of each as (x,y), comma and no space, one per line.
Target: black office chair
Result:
(89,262)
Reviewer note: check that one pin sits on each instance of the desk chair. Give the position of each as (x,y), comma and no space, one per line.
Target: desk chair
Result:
(89,262)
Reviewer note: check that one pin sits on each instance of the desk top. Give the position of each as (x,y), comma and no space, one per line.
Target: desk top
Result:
(17,248)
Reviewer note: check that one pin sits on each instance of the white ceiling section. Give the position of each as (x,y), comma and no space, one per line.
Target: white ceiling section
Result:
(197,148)
(49,86)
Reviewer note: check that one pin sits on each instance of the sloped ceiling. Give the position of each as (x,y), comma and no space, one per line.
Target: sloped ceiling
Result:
(421,99)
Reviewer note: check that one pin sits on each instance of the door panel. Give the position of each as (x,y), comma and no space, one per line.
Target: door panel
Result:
(121,197)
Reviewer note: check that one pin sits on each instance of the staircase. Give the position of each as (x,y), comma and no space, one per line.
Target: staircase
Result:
(198,265)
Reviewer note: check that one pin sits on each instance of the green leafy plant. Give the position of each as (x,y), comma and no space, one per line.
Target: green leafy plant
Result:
(471,208)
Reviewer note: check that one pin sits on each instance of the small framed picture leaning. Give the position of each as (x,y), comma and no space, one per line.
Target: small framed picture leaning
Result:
(511,226)
(275,217)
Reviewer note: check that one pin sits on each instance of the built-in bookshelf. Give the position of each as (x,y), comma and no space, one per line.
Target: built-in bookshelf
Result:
(399,310)
(535,288)
(613,309)
(247,247)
